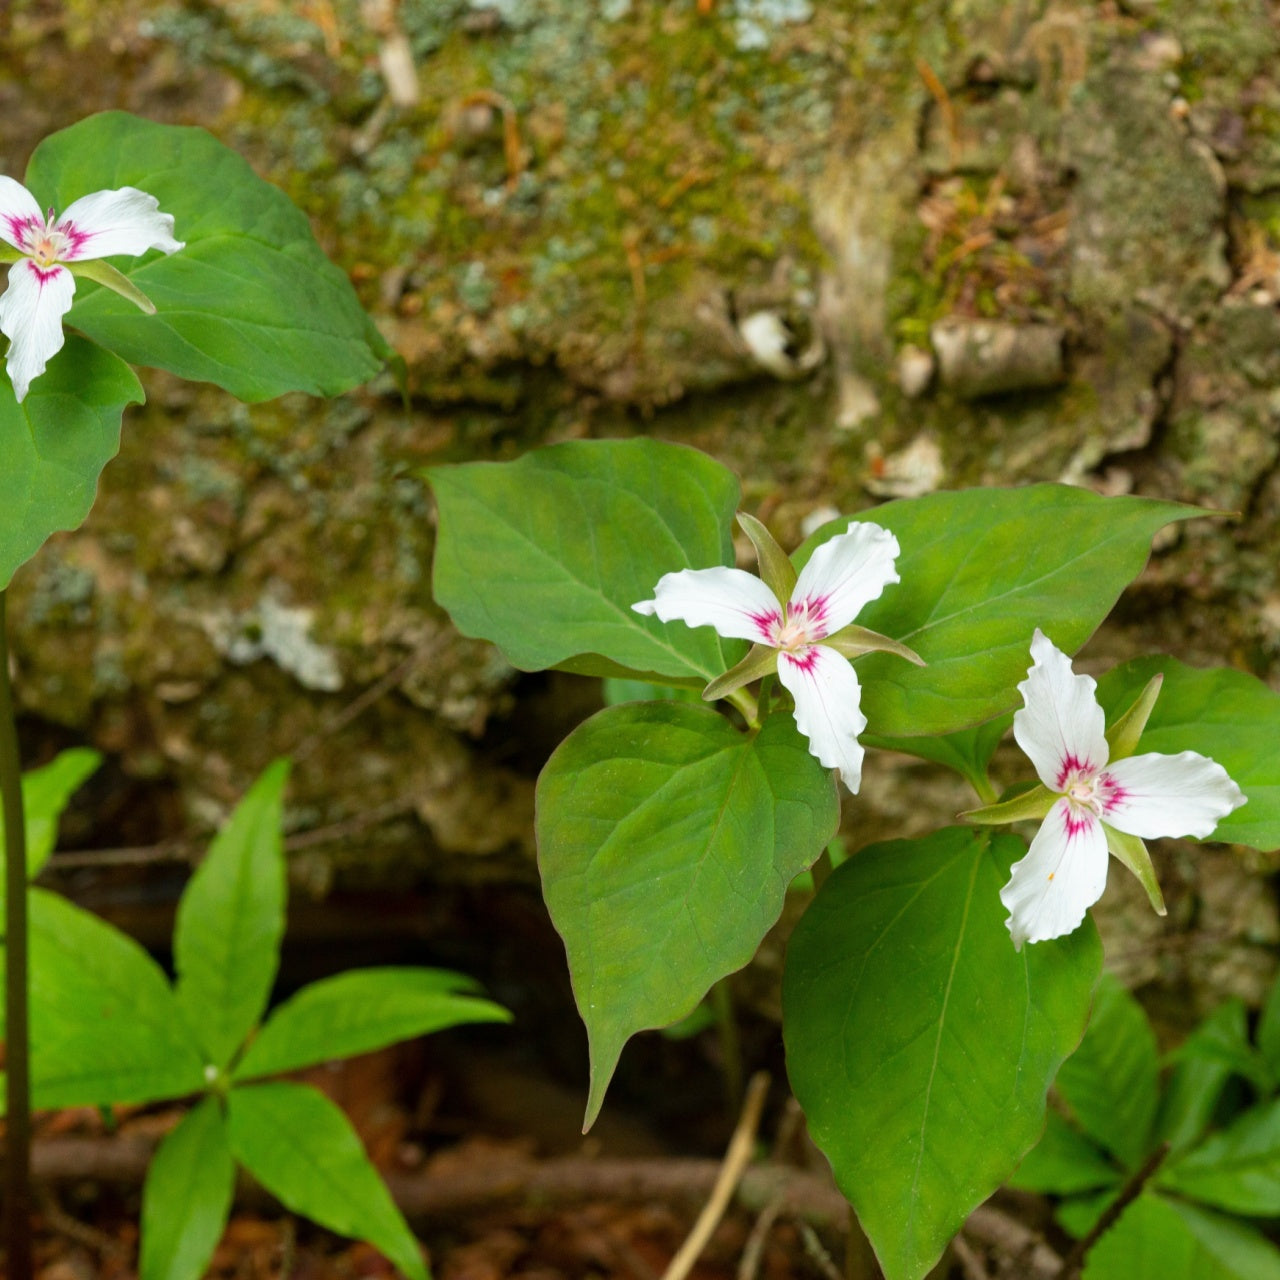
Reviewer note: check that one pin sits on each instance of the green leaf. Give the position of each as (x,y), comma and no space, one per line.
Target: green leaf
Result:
(304,1151)
(1227,715)
(1111,1083)
(1212,1054)
(546,555)
(1269,1030)
(105,1026)
(981,569)
(1159,1239)
(55,445)
(361,1010)
(920,1045)
(251,303)
(187,1196)
(1064,1162)
(967,751)
(666,841)
(45,794)
(226,943)
(1237,1169)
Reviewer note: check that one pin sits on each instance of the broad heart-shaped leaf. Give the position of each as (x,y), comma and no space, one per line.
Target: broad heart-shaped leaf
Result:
(1111,1082)
(187,1196)
(304,1151)
(105,1026)
(981,569)
(919,1043)
(1238,1169)
(546,555)
(55,444)
(226,942)
(251,303)
(1227,715)
(666,841)
(1161,1239)
(361,1010)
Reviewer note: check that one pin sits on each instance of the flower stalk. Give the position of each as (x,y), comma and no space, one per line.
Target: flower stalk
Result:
(17,1198)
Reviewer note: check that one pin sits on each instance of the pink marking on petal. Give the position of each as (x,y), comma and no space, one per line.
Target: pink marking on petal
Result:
(811,613)
(45,274)
(805,659)
(75,240)
(767,624)
(1111,794)
(1076,821)
(21,229)
(1071,767)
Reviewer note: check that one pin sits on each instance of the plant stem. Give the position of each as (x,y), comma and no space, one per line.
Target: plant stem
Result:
(1131,1190)
(17,1199)
(730,1044)
(821,869)
(981,783)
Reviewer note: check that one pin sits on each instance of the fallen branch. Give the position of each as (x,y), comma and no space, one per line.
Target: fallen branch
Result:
(481,1182)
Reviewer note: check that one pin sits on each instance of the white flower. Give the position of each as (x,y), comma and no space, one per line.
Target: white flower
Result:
(842,576)
(1095,802)
(127,221)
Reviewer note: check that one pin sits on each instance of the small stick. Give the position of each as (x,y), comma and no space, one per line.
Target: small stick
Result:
(736,1159)
(753,1250)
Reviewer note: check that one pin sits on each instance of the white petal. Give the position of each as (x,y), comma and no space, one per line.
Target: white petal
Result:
(846,574)
(827,696)
(31,312)
(110,222)
(1061,727)
(1062,876)
(20,215)
(736,603)
(1183,795)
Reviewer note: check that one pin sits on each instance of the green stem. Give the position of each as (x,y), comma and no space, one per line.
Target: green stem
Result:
(982,785)
(730,1044)
(747,705)
(17,1199)
(821,869)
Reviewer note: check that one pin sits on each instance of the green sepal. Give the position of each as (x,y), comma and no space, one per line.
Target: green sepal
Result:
(1124,734)
(1133,853)
(853,641)
(105,274)
(1032,804)
(760,661)
(776,569)
(10,255)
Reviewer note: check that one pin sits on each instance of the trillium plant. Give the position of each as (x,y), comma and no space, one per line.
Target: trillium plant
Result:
(934,985)
(216,277)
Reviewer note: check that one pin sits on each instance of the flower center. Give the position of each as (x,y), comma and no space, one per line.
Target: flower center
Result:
(793,633)
(1083,790)
(1092,789)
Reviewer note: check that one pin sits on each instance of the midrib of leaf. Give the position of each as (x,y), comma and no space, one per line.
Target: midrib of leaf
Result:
(937,1047)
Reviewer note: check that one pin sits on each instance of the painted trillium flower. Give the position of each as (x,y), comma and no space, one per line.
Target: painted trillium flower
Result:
(1096,797)
(800,626)
(51,248)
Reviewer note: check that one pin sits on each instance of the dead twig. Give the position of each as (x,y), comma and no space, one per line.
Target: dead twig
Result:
(736,1159)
